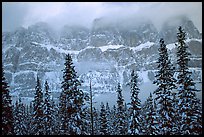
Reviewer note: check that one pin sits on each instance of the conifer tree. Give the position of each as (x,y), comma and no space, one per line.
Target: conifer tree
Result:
(7,110)
(29,116)
(56,119)
(120,125)
(49,111)
(20,123)
(188,102)
(86,117)
(37,116)
(157,115)
(166,83)
(175,124)
(71,101)
(27,119)
(135,106)
(96,117)
(103,120)
(143,112)
(108,113)
(151,118)
(126,113)
(113,120)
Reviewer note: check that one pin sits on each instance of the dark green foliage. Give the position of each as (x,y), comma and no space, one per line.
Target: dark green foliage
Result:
(109,120)
(49,117)
(7,110)
(135,107)
(20,119)
(103,121)
(190,114)
(151,121)
(113,120)
(120,124)
(71,101)
(37,127)
(166,83)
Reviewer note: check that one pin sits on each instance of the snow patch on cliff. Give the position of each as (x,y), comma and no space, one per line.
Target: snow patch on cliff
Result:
(142,46)
(104,48)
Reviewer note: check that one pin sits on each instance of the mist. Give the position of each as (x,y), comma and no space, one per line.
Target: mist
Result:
(58,14)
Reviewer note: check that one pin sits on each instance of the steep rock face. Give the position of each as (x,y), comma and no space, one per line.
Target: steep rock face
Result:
(40,33)
(192,31)
(102,35)
(168,30)
(140,34)
(100,77)
(74,37)
(106,54)
(90,54)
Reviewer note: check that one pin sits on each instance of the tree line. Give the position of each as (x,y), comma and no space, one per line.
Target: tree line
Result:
(175,110)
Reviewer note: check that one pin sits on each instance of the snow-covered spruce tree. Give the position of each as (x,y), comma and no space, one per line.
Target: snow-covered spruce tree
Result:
(157,114)
(56,119)
(175,129)
(71,101)
(90,110)
(188,102)
(7,110)
(37,127)
(96,117)
(135,106)
(48,111)
(120,124)
(143,116)
(86,116)
(29,115)
(20,123)
(126,113)
(166,83)
(27,119)
(103,120)
(151,118)
(108,113)
(113,120)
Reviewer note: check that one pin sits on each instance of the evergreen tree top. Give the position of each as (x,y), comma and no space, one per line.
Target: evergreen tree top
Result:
(181,35)
(119,90)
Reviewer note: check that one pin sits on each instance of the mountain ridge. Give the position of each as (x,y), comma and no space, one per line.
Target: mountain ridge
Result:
(107,54)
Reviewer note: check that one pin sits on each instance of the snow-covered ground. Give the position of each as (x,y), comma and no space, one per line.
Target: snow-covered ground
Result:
(104,48)
(142,46)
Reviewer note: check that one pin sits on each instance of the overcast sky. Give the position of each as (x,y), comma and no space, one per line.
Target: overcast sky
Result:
(16,14)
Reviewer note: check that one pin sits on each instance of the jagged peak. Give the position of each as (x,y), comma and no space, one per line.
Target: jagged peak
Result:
(40,26)
(177,21)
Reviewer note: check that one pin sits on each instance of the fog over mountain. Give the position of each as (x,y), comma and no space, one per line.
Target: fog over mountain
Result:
(58,14)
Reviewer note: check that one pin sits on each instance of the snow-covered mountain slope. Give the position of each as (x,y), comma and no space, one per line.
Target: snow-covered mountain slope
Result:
(104,54)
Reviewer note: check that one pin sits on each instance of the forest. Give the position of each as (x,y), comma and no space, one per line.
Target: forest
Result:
(175,110)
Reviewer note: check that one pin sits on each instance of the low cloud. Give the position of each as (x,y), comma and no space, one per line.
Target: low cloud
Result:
(58,14)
